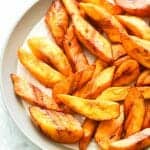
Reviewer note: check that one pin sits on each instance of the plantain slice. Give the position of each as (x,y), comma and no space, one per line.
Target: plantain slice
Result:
(134,108)
(60,127)
(57,21)
(99,110)
(32,94)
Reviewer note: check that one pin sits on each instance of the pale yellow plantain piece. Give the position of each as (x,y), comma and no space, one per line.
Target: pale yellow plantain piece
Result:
(89,127)
(109,131)
(92,109)
(137,48)
(136,25)
(92,39)
(120,93)
(144,78)
(49,52)
(60,127)
(110,25)
(137,141)
(74,51)
(72,7)
(134,109)
(57,21)
(97,84)
(32,94)
(40,70)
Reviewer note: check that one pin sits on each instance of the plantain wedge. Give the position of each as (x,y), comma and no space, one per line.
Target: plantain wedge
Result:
(60,127)
(136,25)
(49,52)
(137,48)
(32,94)
(57,21)
(120,93)
(97,84)
(92,109)
(92,39)
(40,70)
(110,25)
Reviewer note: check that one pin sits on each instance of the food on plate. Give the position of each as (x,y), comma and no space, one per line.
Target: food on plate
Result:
(40,70)
(109,131)
(97,84)
(92,39)
(126,73)
(32,94)
(89,127)
(46,50)
(73,82)
(109,5)
(135,7)
(144,78)
(74,51)
(110,25)
(136,25)
(146,122)
(72,7)
(137,48)
(137,141)
(118,51)
(114,93)
(99,110)
(60,127)
(57,21)
(134,109)
(120,93)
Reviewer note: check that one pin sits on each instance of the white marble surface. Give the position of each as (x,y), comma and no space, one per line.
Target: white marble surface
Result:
(10,136)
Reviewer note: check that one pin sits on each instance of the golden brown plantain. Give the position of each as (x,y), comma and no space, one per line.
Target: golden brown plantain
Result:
(73,82)
(89,127)
(126,73)
(72,7)
(92,39)
(146,122)
(136,25)
(144,78)
(97,84)
(134,109)
(110,6)
(120,93)
(110,25)
(32,94)
(57,21)
(74,51)
(40,70)
(137,48)
(49,52)
(137,141)
(118,51)
(109,131)
(92,109)
(60,127)
(135,7)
